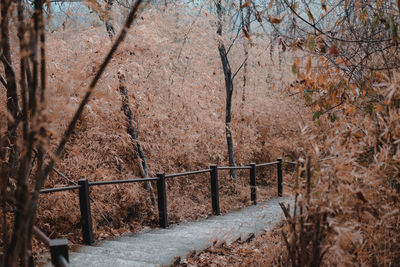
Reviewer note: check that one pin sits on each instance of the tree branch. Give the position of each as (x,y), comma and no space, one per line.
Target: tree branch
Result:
(3,81)
(240,67)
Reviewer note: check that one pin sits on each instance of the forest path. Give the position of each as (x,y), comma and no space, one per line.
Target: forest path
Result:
(157,247)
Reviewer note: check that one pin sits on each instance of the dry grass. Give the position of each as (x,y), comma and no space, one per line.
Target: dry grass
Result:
(176,91)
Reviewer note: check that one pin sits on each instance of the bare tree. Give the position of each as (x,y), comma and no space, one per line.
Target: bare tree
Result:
(228,87)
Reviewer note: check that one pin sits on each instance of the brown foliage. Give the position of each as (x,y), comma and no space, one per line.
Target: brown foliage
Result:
(356,192)
(177,100)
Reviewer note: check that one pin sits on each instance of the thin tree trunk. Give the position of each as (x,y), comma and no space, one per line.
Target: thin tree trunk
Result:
(229,89)
(10,169)
(246,26)
(12,96)
(22,233)
(132,129)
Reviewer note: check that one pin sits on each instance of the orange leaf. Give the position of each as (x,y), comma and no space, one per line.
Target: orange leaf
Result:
(258,16)
(247,4)
(346,4)
(308,67)
(398,5)
(333,50)
(271,3)
(246,33)
(379,108)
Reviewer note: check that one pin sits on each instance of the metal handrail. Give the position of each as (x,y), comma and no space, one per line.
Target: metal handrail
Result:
(58,248)
(267,164)
(186,173)
(41,236)
(62,261)
(234,168)
(59,189)
(136,180)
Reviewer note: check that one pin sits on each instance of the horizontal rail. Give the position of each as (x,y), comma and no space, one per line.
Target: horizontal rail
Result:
(186,173)
(123,181)
(137,180)
(234,168)
(59,189)
(267,164)
(41,236)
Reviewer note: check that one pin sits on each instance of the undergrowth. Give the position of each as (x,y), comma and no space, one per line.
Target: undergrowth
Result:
(178,102)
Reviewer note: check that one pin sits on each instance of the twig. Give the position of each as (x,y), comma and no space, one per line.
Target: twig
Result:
(63,176)
(234,40)
(5,62)
(3,81)
(240,67)
(328,35)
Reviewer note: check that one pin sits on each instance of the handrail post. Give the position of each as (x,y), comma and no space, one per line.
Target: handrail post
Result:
(214,189)
(253,188)
(58,247)
(162,200)
(279,170)
(86,217)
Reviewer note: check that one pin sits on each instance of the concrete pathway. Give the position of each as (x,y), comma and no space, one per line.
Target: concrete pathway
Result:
(157,247)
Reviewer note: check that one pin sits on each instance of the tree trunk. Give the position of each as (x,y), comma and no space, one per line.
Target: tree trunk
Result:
(12,96)
(246,26)
(10,168)
(229,89)
(132,129)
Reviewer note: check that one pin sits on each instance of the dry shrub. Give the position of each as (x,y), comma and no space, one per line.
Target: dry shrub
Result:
(353,198)
(305,232)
